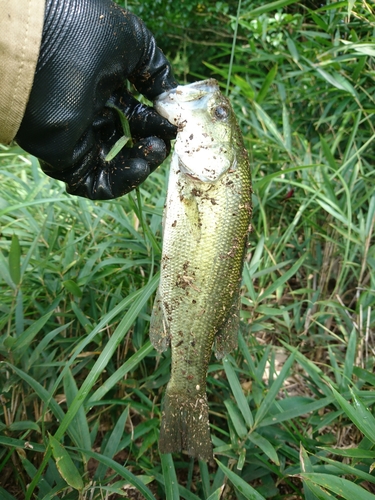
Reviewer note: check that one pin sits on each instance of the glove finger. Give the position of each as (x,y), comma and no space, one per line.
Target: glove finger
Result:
(144,121)
(151,149)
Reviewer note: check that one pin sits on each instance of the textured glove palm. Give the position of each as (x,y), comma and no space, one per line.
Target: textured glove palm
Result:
(89,49)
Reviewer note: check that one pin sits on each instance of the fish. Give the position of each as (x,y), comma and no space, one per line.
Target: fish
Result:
(206,223)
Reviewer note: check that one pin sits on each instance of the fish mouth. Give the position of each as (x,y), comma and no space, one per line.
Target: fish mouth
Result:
(191,92)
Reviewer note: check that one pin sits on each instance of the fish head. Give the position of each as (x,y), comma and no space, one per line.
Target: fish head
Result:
(205,145)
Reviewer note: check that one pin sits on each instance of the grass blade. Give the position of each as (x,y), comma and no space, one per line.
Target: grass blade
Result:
(170,477)
(216,495)
(265,446)
(117,147)
(268,7)
(358,414)
(342,487)
(5,495)
(15,260)
(283,279)
(350,356)
(119,374)
(266,84)
(314,491)
(274,390)
(242,486)
(65,465)
(236,419)
(234,41)
(25,339)
(205,476)
(123,472)
(111,447)
(79,423)
(237,391)
(139,299)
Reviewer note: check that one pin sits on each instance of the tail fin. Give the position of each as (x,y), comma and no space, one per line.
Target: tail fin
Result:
(185,425)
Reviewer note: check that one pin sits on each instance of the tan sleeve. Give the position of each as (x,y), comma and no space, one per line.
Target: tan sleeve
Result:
(21,25)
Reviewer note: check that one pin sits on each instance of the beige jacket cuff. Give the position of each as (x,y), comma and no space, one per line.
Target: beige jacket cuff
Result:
(21,25)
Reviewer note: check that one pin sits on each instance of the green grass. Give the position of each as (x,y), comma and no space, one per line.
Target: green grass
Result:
(292,409)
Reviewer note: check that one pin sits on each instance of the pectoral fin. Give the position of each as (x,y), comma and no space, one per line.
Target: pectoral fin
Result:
(227,337)
(159,330)
(192,216)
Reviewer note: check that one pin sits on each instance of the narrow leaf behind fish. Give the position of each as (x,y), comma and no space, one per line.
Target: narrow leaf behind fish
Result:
(205,230)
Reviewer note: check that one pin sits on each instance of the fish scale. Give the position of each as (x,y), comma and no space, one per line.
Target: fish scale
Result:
(205,229)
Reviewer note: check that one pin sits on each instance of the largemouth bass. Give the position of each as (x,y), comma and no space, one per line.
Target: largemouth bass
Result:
(205,228)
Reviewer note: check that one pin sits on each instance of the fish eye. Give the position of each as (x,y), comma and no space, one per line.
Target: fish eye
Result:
(221,112)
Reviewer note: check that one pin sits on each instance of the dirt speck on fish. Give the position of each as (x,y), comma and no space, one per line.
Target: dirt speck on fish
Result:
(205,230)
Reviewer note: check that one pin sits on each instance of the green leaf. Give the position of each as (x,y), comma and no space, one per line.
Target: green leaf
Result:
(266,84)
(24,425)
(338,485)
(269,124)
(117,147)
(351,452)
(119,374)
(111,447)
(317,492)
(358,414)
(268,7)
(24,204)
(126,139)
(45,396)
(5,495)
(237,391)
(350,7)
(337,80)
(65,465)
(26,338)
(15,260)
(236,419)
(137,300)
(296,412)
(287,131)
(240,485)
(244,85)
(283,279)
(123,472)
(205,477)
(216,495)
(274,390)
(328,154)
(170,477)
(72,287)
(20,443)
(350,356)
(265,446)
(124,121)
(43,486)
(349,470)
(306,466)
(79,422)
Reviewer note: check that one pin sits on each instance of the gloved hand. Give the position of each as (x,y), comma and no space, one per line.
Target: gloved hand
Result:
(89,49)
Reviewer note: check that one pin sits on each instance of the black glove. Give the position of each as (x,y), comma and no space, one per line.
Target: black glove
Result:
(89,49)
